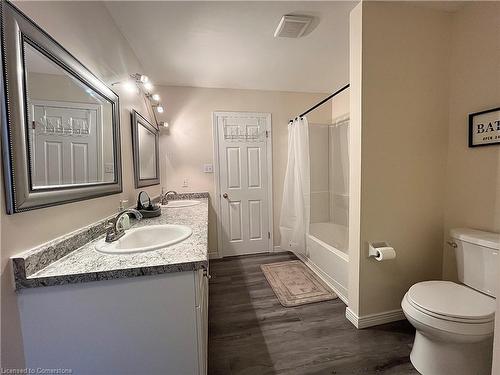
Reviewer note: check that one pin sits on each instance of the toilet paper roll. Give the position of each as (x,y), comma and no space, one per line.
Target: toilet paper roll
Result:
(385,253)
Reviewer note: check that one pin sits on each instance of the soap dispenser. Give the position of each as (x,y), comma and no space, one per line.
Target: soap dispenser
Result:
(125,219)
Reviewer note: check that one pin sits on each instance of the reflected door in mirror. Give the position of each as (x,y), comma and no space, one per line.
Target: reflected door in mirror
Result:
(71,137)
(60,124)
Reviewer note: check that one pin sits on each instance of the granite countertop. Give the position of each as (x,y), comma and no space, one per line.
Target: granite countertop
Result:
(85,264)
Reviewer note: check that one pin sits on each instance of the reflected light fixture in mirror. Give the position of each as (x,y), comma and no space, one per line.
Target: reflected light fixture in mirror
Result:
(140,83)
(130,87)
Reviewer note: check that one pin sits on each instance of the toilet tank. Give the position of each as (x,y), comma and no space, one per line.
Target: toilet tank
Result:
(477,258)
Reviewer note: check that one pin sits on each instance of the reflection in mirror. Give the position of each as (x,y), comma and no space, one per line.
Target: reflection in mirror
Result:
(71,133)
(146,154)
(60,124)
(143,201)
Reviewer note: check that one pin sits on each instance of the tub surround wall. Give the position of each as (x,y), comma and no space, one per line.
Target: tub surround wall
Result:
(339,160)
(94,39)
(319,164)
(327,250)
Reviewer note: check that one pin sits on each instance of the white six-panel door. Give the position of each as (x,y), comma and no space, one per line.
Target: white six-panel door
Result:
(65,143)
(243,150)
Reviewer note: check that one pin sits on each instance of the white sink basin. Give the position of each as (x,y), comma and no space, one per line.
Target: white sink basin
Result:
(138,240)
(181,203)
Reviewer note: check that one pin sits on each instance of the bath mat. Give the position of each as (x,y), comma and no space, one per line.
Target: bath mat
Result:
(295,284)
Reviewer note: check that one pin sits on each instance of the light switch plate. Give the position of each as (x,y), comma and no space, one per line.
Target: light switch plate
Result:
(109,168)
(208,168)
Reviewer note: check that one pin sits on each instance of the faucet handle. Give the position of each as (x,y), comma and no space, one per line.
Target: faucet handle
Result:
(109,225)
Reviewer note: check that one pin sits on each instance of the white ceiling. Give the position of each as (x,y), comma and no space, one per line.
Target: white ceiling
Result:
(231,44)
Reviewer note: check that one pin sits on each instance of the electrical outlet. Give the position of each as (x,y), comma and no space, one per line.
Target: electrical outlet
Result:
(185,183)
(208,168)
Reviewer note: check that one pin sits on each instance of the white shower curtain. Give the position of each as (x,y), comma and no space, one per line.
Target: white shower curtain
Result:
(295,208)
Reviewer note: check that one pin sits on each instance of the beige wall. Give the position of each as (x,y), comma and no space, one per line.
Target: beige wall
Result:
(188,144)
(404,100)
(496,347)
(356,116)
(340,104)
(94,39)
(472,196)
(473,175)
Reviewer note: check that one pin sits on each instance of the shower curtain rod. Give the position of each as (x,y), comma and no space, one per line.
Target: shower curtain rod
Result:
(323,101)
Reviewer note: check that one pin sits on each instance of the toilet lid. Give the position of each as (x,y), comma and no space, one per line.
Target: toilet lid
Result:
(452,300)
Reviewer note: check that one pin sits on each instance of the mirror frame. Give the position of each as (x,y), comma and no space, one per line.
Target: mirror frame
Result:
(139,120)
(19,192)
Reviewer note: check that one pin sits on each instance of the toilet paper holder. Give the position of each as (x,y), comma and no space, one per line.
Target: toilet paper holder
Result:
(374,248)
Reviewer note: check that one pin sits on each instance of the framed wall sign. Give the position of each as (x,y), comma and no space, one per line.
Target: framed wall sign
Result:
(484,128)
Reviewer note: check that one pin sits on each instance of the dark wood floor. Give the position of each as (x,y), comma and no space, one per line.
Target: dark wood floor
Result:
(251,333)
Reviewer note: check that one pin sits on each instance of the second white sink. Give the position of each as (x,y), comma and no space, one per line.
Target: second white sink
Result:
(181,203)
(147,238)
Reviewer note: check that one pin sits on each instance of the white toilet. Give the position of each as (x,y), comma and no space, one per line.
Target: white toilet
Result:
(454,322)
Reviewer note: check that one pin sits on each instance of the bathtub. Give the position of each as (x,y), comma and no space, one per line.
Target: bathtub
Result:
(327,255)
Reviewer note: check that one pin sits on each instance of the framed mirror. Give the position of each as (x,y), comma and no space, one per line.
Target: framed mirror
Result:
(145,143)
(60,123)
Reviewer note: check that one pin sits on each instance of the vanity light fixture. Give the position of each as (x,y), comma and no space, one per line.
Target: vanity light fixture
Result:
(140,78)
(140,83)
(130,87)
(164,124)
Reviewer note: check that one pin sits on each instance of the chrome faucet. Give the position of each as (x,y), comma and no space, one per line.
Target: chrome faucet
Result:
(164,197)
(113,231)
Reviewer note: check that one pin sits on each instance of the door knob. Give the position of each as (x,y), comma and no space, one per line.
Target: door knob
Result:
(225,196)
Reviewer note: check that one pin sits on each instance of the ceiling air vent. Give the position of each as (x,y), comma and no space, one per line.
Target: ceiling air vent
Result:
(292,26)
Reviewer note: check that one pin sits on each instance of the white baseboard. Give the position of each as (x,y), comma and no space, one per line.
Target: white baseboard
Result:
(336,287)
(278,249)
(371,320)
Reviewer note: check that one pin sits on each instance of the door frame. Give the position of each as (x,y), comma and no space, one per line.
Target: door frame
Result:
(269,166)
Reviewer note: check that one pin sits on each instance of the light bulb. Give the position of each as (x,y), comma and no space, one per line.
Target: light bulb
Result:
(148,86)
(159,109)
(143,78)
(156,97)
(130,87)
(164,124)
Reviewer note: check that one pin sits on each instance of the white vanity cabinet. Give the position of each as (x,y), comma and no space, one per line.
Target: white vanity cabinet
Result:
(143,325)
(202,318)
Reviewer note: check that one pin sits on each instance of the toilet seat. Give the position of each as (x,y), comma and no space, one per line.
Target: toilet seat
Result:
(450,301)
(429,303)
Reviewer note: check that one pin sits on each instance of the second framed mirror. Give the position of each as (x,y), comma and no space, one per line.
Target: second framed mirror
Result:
(145,143)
